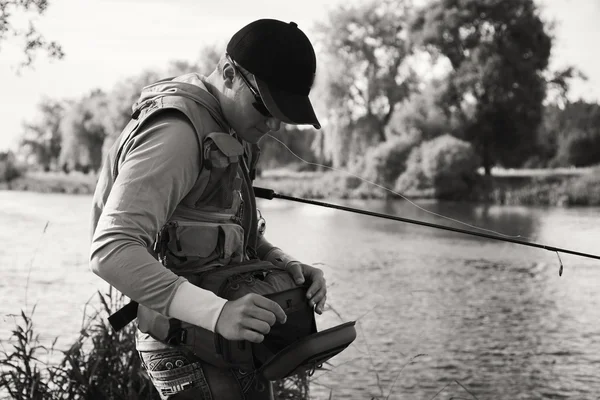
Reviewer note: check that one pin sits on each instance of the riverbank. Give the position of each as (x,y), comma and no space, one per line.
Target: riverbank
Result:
(560,187)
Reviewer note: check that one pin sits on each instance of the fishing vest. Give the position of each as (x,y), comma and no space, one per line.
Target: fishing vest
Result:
(221,203)
(210,240)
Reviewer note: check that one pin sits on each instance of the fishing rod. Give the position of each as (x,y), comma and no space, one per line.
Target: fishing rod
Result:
(270,195)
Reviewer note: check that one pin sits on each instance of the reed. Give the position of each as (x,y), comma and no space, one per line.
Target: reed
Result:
(100,364)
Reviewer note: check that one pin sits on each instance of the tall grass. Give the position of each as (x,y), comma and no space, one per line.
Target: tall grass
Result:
(100,364)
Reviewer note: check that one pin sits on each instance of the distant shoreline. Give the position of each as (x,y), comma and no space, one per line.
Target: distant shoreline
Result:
(543,187)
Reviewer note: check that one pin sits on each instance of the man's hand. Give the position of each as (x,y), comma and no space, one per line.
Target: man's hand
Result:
(249,318)
(317,292)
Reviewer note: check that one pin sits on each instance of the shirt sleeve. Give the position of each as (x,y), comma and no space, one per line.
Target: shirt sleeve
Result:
(160,167)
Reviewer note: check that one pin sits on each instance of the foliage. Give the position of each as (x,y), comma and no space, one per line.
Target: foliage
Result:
(55,182)
(578,148)
(126,92)
(33,40)
(363,47)
(499,51)
(101,364)
(552,189)
(444,168)
(559,83)
(366,93)
(9,169)
(548,133)
(274,153)
(207,60)
(570,136)
(119,103)
(20,376)
(421,113)
(384,163)
(83,132)
(582,191)
(42,140)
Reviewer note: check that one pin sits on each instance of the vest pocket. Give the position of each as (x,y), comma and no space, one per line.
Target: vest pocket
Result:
(220,156)
(186,246)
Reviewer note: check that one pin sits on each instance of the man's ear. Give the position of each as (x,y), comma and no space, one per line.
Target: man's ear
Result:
(228,75)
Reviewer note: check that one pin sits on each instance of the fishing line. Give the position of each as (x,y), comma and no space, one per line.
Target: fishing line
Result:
(402,196)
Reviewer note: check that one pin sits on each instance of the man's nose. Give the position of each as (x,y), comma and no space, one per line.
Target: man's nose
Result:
(273,123)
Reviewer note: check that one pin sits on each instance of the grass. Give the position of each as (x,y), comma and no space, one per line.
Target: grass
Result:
(560,187)
(567,187)
(100,364)
(548,190)
(53,182)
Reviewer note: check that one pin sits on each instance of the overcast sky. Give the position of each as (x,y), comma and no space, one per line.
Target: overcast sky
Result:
(108,40)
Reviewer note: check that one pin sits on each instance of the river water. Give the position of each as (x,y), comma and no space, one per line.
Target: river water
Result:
(440,314)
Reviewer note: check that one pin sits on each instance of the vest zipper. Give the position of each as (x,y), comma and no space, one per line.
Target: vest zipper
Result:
(211,217)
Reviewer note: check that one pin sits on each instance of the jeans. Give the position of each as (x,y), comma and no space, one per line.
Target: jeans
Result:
(179,376)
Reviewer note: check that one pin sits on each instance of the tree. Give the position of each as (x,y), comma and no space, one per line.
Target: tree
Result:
(298,140)
(499,51)
(422,114)
(84,132)
(208,58)
(126,92)
(363,47)
(574,133)
(33,40)
(42,139)
(120,100)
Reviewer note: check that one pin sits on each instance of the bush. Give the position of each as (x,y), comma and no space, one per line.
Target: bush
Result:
(582,191)
(445,168)
(579,148)
(8,168)
(383,164)
(413,182)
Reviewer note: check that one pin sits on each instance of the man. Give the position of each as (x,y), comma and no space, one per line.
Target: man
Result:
(181,170)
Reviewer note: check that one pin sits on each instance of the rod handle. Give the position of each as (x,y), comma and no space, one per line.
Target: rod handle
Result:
(263,193)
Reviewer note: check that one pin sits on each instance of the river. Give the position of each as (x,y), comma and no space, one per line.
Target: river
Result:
(440,314)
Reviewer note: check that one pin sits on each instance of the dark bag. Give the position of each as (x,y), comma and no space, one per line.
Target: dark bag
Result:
(288,349)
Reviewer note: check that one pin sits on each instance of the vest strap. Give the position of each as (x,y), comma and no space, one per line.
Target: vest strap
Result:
(124,316)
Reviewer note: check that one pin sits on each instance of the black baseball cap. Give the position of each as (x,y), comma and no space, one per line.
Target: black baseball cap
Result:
(283,62)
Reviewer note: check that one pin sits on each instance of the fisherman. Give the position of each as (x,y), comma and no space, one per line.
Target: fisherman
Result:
(176,190)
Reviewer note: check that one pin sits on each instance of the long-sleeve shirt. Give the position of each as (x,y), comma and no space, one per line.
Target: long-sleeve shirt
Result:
(161,167)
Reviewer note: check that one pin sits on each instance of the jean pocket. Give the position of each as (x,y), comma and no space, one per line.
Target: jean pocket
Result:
(171,372)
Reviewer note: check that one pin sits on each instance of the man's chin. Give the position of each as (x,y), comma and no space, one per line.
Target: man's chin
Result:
(252,136)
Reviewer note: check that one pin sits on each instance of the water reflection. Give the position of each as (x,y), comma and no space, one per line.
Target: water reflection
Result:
(492,316)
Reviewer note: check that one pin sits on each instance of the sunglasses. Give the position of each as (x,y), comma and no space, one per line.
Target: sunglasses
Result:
(258,103)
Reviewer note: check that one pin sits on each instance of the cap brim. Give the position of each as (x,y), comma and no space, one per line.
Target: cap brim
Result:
(288,107)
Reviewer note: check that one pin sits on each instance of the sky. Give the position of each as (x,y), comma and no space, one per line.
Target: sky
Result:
(106,41)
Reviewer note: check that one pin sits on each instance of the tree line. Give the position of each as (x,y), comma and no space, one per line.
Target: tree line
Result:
(473,75)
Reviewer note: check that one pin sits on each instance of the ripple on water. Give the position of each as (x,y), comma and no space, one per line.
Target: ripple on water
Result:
(495,318)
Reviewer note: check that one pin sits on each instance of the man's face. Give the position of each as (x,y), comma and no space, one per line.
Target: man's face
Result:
(243,117)
(252,125)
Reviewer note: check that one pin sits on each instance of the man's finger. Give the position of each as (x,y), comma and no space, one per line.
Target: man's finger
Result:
(272,306)
(295,269)
(252,336)
(315,287)
(318,296)
(257,325)
(321,305)
(262,315)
